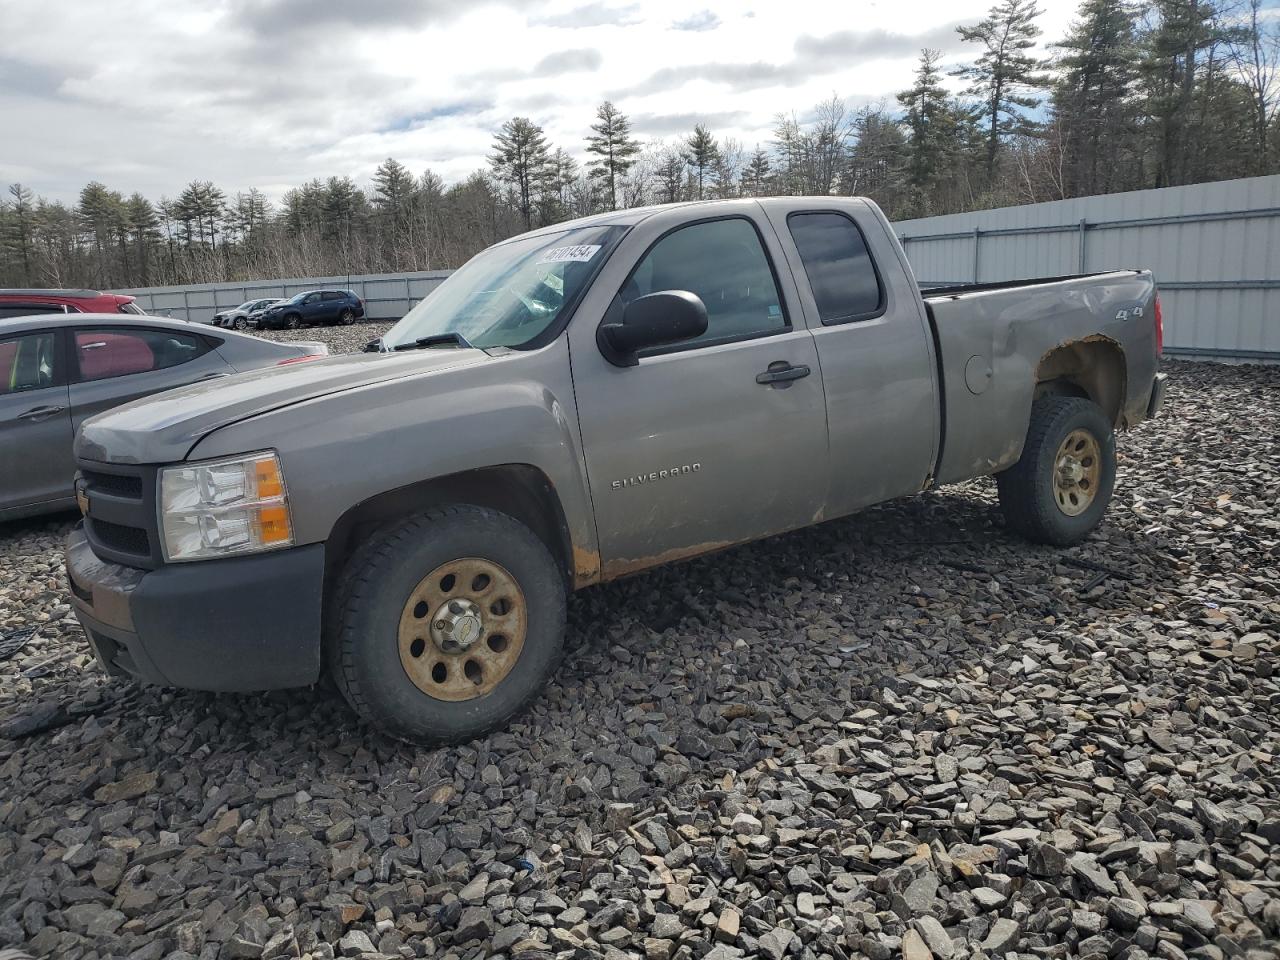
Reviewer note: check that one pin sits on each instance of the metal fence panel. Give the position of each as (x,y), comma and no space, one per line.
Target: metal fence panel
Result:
(1214,248)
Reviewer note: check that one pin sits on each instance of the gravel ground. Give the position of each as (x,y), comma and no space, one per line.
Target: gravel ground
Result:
(901,734)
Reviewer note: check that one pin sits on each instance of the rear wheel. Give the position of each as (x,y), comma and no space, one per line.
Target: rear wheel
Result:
(1059,490)
(347,317)
(448,625)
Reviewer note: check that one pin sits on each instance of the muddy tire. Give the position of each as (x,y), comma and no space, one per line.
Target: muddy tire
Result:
(447,625)
(1059,490)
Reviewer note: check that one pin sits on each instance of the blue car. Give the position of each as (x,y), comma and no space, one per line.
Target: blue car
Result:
(312,308)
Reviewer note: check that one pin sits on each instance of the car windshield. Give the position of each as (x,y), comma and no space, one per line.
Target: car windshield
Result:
(509,294)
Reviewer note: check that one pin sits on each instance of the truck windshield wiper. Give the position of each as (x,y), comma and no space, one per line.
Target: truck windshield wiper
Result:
(436,340)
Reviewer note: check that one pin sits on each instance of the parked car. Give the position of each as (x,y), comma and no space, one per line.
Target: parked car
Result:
(58,370)
(574,405)
(25,303)
(311,308)
(237,318)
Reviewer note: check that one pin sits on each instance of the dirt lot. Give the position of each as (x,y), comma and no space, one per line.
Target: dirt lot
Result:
(904,733)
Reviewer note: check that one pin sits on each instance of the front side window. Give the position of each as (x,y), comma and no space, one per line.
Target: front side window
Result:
(28,362)
(117,353)
(724,263)
(511,294)
(839,266)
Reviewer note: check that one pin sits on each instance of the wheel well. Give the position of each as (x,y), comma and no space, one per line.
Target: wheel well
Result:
(1093,368)
(519,490)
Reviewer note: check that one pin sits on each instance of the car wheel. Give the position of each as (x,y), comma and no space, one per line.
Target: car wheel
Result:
(448,625)
(1059,490)
(241,323)
(347,317)
(292,322)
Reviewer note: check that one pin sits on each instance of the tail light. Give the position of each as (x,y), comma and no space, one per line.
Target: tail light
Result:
(1159,327)
(302,359)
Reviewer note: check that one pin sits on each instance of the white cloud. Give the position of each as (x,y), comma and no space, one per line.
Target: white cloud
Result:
(269,94)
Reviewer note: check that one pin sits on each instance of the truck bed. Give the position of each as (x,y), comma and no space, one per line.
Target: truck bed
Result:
(991,338)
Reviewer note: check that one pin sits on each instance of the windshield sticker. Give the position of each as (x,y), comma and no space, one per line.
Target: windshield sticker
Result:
(578,254)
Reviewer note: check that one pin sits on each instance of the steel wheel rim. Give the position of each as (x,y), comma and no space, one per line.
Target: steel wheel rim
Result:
(437,651)
(1077,472)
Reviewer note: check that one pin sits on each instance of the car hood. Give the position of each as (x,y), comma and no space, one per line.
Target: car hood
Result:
(164,427)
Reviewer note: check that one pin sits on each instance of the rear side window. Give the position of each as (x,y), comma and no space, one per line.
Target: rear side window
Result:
(102,354)
(334,295)
(28,362)
(132,307)
(18,310)
(841,273)
(724,263)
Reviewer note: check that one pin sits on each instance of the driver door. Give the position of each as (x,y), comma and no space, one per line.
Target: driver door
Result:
(702,444)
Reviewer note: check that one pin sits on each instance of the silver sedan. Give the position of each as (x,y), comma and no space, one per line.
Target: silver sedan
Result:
(56,371)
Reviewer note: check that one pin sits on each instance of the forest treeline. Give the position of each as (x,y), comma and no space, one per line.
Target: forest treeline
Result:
(1135,95)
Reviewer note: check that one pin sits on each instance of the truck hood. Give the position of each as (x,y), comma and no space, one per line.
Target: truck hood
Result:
(164,427)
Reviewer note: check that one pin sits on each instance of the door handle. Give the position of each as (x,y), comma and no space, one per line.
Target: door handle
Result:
(37,414)
(781,371)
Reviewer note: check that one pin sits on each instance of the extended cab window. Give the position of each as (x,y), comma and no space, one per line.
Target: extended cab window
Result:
(723,262)
(839,266)
(28,362)
(118,353)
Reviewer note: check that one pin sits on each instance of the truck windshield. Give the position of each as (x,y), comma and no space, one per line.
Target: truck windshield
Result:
(507,295)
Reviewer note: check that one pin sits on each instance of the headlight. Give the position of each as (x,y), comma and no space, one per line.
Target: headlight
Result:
(221,508)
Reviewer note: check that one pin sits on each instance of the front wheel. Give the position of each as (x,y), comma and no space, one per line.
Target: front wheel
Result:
(292,322)
(448,625)
(241,323)
(1058,491)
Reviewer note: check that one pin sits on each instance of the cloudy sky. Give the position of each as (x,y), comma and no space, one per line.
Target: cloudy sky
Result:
(149,94)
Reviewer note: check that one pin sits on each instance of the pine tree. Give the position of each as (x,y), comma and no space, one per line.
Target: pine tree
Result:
(875,163)
(23,199)
(393,189)
(1092,99)
(612,143)
(755,176)
(934,130)
(520,157)
(670,172)
(701,152)
(144,233)
(1005,72)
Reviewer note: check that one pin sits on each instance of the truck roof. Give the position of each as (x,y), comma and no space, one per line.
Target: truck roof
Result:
(633,215)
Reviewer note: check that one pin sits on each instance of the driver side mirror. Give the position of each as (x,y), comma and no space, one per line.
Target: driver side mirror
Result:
(654,320)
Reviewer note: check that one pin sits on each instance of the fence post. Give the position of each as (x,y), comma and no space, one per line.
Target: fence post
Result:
(186,307)
(1084,225)
(977,235)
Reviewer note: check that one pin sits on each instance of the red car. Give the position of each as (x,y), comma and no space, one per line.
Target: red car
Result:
(24,303)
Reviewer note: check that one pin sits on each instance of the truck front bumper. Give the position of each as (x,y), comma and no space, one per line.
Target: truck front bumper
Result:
(242,623)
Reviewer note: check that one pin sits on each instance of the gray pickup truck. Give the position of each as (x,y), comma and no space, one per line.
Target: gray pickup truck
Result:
(576,404)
